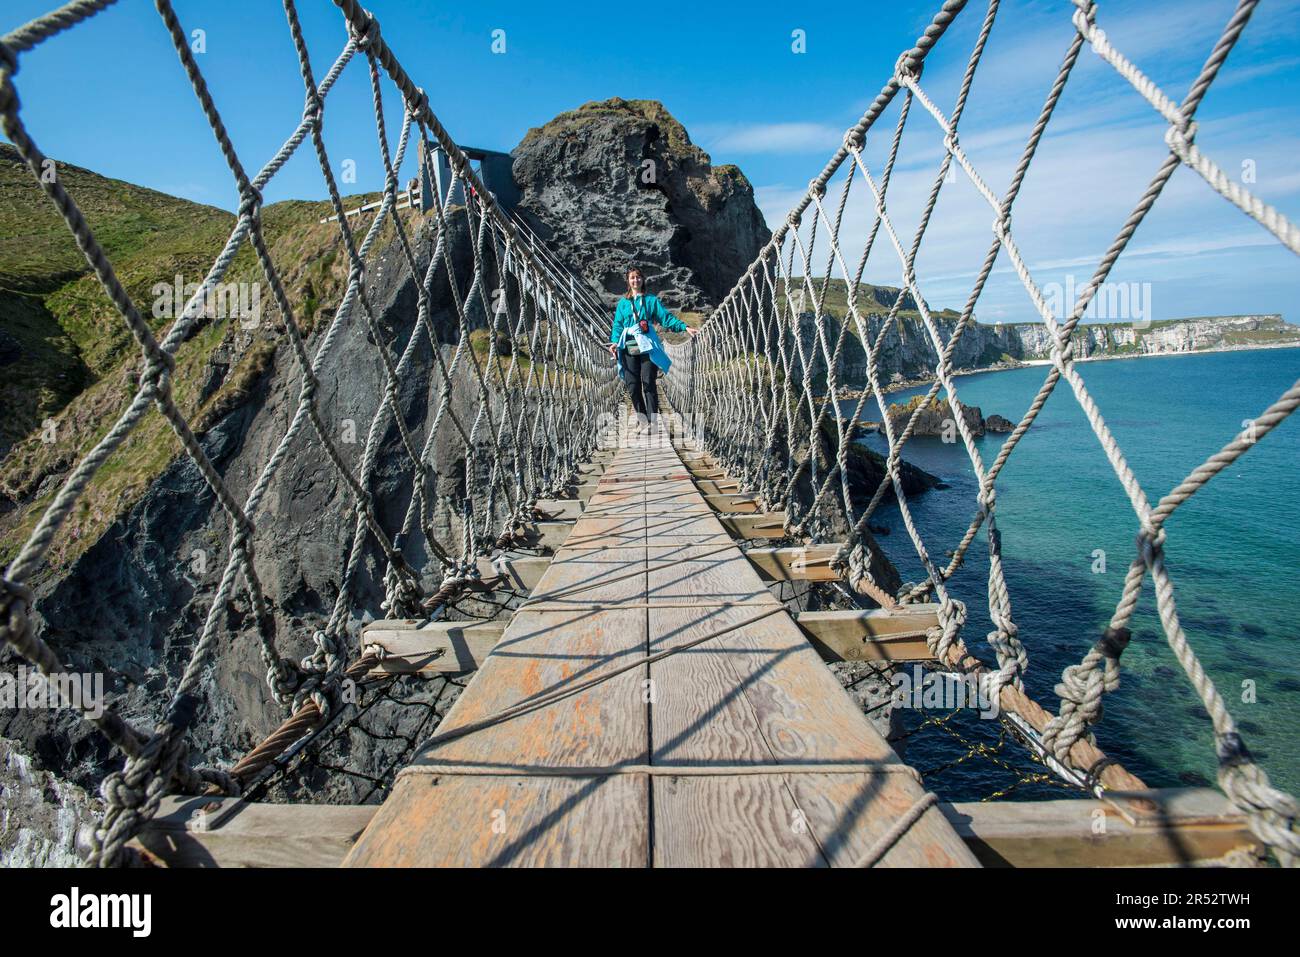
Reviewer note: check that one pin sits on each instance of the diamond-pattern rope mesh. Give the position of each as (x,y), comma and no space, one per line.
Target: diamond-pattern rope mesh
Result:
(534,420)
(766,389)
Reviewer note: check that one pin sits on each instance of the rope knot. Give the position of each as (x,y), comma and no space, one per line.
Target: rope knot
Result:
(283,679)
(250,201)
(1178,138)
(854,140)
(817,188)
(418,104)
(117,793)
(1085,17)
(309,387)
(1151,542)
(156,370)
(794,218)
(367,35)
(907,68)
(313,110)
(1113,642)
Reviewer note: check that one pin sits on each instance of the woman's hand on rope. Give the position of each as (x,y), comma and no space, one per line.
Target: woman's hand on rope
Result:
(613,350)
(692,331)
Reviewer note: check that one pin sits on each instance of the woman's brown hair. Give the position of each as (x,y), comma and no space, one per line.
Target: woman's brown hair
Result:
(637,270)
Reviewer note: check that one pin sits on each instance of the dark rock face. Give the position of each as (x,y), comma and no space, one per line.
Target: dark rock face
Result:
(996,423)
(617,183)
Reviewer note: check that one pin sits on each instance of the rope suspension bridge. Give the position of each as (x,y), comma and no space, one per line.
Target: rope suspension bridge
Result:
(631,685)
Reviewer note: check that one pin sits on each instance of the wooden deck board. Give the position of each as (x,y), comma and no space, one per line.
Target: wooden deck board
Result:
(646,567)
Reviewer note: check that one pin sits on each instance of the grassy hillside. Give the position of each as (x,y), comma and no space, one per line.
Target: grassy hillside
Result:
(60,332)
(66,355)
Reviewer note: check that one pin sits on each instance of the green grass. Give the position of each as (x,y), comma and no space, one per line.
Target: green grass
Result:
(77,362)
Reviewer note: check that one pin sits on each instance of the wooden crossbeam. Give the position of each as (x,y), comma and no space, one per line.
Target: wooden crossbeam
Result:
(871,635)
(717,487)
(707,472)
(1190,825)
(811,563)
(551,534)
(754,525)
(560,508)
(522,572)
(732,503)
(230,832)
(439,647)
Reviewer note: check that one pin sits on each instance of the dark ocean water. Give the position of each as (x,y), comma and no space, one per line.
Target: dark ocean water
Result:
(1233,552)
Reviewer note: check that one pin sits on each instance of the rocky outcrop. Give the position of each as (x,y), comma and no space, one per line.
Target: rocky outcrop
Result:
(935,418)
(618,182)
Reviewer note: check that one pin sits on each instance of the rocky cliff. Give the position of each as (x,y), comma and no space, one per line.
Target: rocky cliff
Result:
(618,182)
(908,352)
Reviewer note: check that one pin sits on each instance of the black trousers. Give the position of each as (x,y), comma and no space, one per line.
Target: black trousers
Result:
(640,375)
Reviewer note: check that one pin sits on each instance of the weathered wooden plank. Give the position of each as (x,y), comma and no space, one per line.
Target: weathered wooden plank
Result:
(730,822)
(230,832)
(763,684)
(440,647)
(876,635)
(608,576)
(478,821)
(1191,825)
(707,574)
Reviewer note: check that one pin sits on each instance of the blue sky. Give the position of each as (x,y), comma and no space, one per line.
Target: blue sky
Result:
(110,95)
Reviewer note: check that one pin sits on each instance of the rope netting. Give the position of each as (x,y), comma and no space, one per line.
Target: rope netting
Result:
(542,388)
(766,388)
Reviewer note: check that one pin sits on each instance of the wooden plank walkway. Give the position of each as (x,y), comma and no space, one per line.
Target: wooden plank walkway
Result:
(742,750)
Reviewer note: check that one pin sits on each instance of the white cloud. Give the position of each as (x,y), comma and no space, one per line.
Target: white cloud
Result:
(772,138)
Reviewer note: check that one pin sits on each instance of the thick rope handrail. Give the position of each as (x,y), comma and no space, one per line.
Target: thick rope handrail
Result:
(765,387)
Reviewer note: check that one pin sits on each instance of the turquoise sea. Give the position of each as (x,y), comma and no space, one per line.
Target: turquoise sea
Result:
(1233,552)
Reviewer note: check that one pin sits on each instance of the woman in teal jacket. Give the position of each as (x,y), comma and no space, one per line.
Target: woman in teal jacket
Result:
(634,342)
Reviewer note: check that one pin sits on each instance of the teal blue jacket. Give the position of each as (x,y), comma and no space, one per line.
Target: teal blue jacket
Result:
(650,308)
